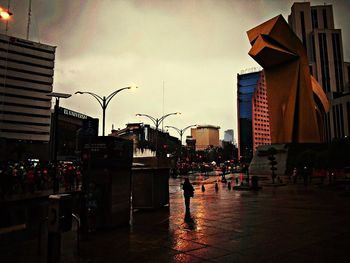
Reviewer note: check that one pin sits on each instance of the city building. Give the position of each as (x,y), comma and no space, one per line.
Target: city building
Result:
(26,77)
(205,136)
(314,25)
(72,126)
(146,140)
(260,115)
(247,84)
(229,136)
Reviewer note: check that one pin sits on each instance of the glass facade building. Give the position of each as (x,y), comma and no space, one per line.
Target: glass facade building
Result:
(246,87)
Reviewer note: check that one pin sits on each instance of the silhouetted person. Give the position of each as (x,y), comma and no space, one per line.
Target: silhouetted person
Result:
(216,187)
(294,175)
(229,185)
(305,174)
(203,188)
(188,193)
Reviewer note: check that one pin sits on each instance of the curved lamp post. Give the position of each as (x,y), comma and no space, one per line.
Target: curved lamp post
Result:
(181,131)
(157,122)
(104,101)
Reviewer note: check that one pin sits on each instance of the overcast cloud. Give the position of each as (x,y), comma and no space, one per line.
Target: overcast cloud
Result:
(196,48)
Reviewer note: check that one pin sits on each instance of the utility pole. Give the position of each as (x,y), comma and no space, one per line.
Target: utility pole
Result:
(29,15)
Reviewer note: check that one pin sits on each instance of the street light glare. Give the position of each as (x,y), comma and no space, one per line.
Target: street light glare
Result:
(133,87)
(4,14)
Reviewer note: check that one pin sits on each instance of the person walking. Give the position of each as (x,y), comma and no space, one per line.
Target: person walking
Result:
(188,193)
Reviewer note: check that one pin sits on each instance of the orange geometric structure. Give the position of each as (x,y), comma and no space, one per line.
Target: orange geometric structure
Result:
(295,100)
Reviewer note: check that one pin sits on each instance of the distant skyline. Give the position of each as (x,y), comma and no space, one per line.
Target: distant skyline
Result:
(194,49)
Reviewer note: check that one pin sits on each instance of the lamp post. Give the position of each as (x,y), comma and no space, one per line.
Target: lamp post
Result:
(157,122)
(181,132)
(104,101)
(54,143)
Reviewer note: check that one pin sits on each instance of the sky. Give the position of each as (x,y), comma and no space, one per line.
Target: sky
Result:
(184,55)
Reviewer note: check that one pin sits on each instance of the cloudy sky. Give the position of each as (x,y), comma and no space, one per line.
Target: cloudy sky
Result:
(183,54)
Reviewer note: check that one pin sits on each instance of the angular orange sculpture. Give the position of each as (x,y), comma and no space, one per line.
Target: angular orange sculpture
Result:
(295,103)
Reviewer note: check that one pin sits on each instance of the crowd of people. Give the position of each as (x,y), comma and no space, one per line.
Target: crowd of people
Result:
(34,176)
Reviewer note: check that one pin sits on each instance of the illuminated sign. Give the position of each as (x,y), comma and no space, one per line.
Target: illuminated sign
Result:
(74,114)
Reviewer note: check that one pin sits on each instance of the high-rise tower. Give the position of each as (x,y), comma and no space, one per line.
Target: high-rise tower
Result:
(26,77)
(314,25)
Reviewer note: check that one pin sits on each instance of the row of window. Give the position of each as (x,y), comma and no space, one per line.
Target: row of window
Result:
(25,44)
(27,132)
(25,123)
(25,97)
(26,106)
(26,114)
(27,80)
(314,18)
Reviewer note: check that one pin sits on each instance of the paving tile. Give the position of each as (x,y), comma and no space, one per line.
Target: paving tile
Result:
(208,253)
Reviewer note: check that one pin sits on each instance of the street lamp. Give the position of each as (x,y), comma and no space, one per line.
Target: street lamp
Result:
(104,101)
(181,132)
(54,144)
(5,14)
(157,122)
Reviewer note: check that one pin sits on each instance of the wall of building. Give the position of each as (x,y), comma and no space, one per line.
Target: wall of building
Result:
(260,115)
(26,77)
(314,25)
(205,136)
(246,87)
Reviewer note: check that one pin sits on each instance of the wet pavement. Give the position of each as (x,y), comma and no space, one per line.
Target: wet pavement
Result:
(290,223)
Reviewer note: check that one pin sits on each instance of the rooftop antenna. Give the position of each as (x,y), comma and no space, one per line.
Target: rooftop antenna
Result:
(29,15)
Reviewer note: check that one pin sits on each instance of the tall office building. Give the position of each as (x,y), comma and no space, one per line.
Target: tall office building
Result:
(253,113)
(260,115)
(26,77)
(205,136)
(228,136)
(314,25)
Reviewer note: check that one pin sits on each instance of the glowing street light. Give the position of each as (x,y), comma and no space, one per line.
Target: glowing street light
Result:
(104,101)
(4,14)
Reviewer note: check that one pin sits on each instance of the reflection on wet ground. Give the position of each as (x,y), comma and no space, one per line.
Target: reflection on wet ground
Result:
(290,223)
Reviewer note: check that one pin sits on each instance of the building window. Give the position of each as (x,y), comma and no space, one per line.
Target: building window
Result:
(313,47)
(324,15)
(337,63)
(303,33)
(348,113)
(335,121)
(324,61)
(341,120)
(314,18)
